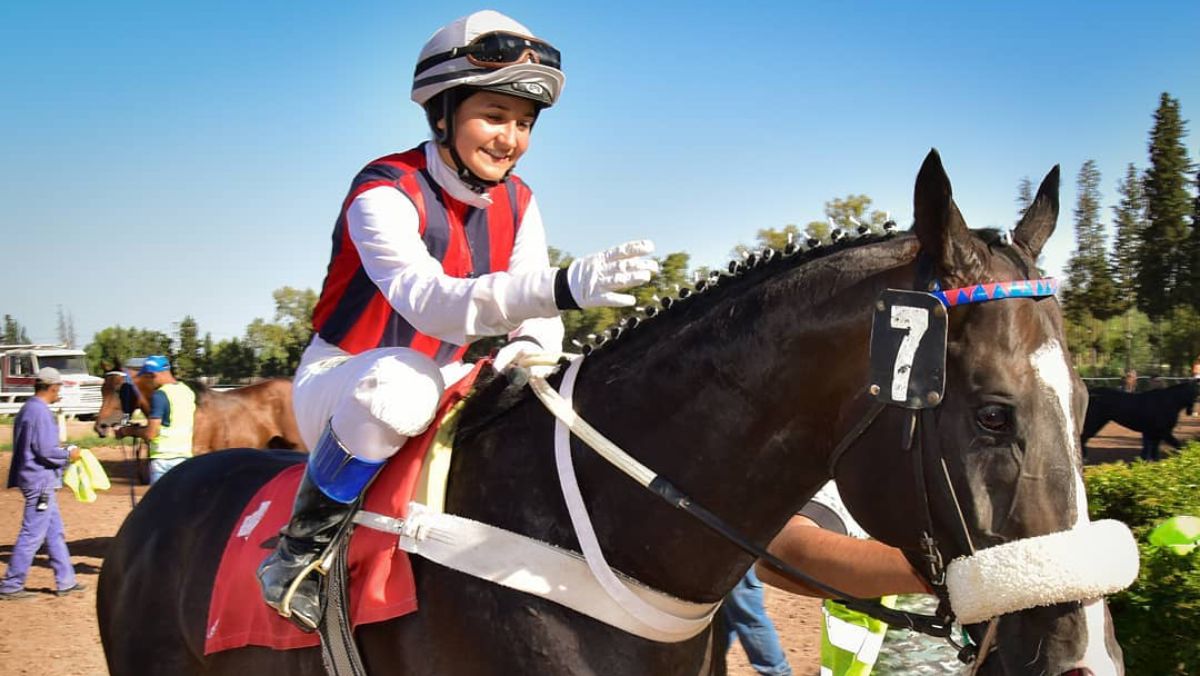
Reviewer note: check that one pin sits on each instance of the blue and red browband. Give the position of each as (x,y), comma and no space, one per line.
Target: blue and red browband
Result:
(978,293)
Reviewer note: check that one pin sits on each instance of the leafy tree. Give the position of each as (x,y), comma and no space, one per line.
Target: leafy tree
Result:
(1024,196)
(278,345)
(113,345)
(234,360)
(1090,287)
(1163,279)
(818,230)
(771,238)
(1180,338)
(14,333)
(187,360)
(1129,217)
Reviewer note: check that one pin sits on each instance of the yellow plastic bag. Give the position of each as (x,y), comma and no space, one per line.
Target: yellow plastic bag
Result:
(85,476)
(95,470)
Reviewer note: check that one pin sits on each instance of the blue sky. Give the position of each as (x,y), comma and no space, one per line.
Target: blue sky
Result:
(163,159)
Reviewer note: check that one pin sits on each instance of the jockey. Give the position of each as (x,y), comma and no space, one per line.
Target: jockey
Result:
(434,247)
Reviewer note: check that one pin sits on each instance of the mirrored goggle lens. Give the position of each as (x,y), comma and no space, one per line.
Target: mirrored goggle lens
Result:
(500,49)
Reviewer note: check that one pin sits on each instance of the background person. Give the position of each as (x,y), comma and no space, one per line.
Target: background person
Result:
(746,616)
(36,469)
(434,248)
(824,541)
(1129,383)
(171,419)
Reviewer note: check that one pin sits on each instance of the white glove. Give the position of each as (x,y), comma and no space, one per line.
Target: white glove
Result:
(593,280)
(509,355)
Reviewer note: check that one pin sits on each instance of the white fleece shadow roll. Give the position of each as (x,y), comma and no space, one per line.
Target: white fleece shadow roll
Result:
(1074,565)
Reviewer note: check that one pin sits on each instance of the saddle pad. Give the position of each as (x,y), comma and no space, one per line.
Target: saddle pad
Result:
(381,579)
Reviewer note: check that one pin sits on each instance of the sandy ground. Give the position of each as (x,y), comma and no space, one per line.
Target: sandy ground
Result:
(49,636)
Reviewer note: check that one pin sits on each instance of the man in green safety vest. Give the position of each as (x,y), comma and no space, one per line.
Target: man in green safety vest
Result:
(172,414)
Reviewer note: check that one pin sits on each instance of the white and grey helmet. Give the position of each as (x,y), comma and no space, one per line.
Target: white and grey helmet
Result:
(488,50)
(483,51)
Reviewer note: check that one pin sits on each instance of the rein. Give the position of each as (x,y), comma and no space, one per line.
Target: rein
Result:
(647,478)
(919,430)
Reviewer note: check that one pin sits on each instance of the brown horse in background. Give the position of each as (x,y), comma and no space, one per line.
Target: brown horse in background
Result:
(254,416)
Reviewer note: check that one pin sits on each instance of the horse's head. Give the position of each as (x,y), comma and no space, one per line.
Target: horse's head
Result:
(119,398)
(1008,427)
(1193,390)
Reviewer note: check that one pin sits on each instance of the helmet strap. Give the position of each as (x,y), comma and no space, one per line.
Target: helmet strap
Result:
(451,98)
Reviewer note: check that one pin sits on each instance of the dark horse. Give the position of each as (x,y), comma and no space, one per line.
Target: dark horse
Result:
(738,395)
(1154,413)
(254,416)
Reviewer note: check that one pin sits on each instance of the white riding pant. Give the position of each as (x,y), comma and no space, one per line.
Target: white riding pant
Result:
(374,400)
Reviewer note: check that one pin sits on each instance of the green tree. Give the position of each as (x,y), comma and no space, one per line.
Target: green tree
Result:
(1090,288)
(1024,196)
(1194,248)
(187,360)
(278,345)
(14,333)
(111,346)
(1163,279)
(205,363)
(771,238)
(234,360)
(844,211)
(1180,339)
(1129,218)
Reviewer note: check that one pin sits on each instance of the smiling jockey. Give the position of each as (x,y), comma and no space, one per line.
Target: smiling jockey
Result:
(435,247)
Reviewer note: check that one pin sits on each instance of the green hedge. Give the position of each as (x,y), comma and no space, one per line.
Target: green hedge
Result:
(1158,618)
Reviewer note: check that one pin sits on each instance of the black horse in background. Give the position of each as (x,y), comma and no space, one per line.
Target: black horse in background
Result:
(738,395)
(1154,413)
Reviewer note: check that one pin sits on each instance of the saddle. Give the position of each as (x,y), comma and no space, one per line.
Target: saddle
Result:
(381,579)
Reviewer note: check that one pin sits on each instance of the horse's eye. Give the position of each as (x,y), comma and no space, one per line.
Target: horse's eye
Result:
(994,418)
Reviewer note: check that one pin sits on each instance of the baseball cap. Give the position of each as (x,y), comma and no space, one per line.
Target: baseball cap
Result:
(48,375)
(155,364)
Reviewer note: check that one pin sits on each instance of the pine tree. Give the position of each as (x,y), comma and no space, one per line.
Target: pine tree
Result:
(66,328)
(1024,196)
(1163,279)
(187,362)
(14,333)
(1129,218)
(1090,287)
(1194,249)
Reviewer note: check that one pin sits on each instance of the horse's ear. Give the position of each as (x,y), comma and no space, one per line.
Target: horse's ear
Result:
(1037,224)
(939,226)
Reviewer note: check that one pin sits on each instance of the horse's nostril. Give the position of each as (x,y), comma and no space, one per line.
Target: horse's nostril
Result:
(1082,671)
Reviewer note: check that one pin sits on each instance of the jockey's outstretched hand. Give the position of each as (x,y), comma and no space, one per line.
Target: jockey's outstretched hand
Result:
(594,280)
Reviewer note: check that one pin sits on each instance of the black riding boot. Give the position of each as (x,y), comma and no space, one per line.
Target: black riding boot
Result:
(325,503)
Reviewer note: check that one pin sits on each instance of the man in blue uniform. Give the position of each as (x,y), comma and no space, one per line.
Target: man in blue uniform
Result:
(36,469)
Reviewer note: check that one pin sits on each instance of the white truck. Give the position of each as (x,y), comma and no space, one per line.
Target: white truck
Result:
(20,363)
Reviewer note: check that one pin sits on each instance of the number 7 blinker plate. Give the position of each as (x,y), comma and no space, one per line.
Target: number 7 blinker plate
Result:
(908,349)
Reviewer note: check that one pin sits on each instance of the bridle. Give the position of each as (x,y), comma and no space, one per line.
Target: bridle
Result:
(924,380)
(922,391)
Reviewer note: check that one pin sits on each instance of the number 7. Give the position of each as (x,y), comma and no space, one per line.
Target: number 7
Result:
(916,321)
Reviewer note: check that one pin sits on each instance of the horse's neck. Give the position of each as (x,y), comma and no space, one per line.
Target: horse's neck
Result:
(736,403)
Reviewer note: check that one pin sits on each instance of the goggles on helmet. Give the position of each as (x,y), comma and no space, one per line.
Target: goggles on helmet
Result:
(497,50)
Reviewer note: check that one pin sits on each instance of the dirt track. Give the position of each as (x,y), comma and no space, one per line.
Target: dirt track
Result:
(49,636)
